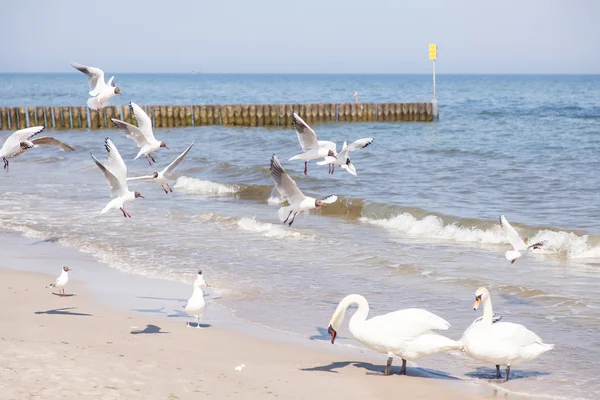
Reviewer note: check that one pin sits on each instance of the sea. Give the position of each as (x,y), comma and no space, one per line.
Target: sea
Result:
(417,227)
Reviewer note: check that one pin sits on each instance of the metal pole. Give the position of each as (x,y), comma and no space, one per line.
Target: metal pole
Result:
(433,79)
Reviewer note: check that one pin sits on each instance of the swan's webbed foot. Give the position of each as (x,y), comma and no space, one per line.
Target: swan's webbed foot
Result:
(403,369)
(498,375)
(388,366)
(507,373)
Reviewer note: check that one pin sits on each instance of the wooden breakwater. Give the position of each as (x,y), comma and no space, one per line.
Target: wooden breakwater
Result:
(13,118)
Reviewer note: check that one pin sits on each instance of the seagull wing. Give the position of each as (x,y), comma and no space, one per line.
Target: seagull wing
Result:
(143,120)
(111,82)
(115,171)
(131,131)
(13,143)
(52,142)
(142,178)
(512,235)
(177,162)
(306,136)
(360,144)
(95,77)
(285,185)
(330,199)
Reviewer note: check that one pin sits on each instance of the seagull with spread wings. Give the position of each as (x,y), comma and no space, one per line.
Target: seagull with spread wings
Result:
(100,91)
(312,148)
(343,158)
(20,141)
(516,241)
(288,189)
(141,134)
(115,173)
(162,177)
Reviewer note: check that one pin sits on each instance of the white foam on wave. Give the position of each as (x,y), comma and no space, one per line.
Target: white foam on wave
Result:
(193,185)
(275,201)
(567,244)
(268,229)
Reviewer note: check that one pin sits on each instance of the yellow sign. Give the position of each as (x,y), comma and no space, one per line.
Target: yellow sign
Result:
(433,51)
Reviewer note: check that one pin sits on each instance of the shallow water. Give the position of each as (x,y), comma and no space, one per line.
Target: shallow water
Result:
(417,227)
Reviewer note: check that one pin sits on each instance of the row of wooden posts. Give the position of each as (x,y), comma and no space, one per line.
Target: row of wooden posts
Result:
(13,118)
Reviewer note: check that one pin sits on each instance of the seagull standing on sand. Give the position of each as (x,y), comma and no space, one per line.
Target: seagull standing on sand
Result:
(196,304)
(61,281)
(161,177)
(115,173)
(312,149)
(515,240)
(288,189)
(101,92)
(343,158)
(141,134)
(19,142)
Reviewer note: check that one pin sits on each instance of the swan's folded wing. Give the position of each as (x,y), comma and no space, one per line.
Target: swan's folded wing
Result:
(407,323)
(513,334)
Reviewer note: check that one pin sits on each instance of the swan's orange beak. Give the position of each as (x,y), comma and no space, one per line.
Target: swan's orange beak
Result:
(477,301)
(332,332)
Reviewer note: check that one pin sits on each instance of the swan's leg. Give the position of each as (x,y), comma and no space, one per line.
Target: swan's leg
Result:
(507,373)
(198,318)
(498,375)
(388,366)
(403,369)
(188,321)
(305,166)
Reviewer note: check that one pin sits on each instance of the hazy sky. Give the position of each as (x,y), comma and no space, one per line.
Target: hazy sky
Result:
(308,36)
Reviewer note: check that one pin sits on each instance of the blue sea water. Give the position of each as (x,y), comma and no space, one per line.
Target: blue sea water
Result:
(416,228)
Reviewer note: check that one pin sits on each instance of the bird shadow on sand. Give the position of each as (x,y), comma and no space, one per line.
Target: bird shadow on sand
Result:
(64,311)
(150,310)
(490,374)
(64,295)
(150,329)
(372,369)
(160,298)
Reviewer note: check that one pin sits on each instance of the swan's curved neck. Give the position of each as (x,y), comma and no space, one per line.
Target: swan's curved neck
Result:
(360,315)
(488,312)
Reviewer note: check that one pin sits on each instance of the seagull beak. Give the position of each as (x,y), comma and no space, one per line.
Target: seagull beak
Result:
(323,205)
(142,196)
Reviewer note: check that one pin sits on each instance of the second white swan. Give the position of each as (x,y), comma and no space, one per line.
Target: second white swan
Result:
(407,333)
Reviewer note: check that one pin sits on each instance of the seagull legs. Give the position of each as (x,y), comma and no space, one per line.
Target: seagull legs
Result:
(403,369)
(388,366)
(147,159)
(198,318)
(5,163)
(152,158)
(170,190)
(125,213)
(498,375)
(166,192)
(305,167)
(288,217)
(293,218)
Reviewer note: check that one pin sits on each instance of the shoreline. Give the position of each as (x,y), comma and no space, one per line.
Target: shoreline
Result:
(231,342)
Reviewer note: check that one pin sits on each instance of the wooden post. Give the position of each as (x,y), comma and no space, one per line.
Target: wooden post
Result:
(289,110)
(307,112)
(196,115)
(210,115)
(93,118)
(21,117)
(188,115)
(314,108)
(274,115)
(428,112)
(40,120)
(174,116)
(126,114)
(4,119)
(66,115)
(354,112)
(49,119)
(218,114)
(411,111)
(31,115)
(237,114)
(404,113)
(332,111)
(12,114)
(252,114)
(83,116)
(266,110)
(116,112)
(75,117)
(58,122)
(110,113)
(258,110)
(170,123)
(200,116)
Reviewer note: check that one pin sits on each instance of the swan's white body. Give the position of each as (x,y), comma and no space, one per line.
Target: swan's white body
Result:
(407,333)
(100,91)
(343,158)
(500,343)
(161,177)
(516,241)
(142,134)
(288,190)
(115,173)
(312,149)
(196,304)
(61,282)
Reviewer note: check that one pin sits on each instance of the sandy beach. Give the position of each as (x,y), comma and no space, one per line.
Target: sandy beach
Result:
(72,347)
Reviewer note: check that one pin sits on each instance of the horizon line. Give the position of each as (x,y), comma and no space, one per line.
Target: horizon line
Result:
(325,73)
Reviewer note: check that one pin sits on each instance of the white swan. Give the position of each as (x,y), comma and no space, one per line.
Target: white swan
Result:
(500,343)
(404,333)
(196,304)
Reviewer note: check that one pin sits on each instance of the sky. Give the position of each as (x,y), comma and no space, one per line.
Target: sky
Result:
(308,36)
